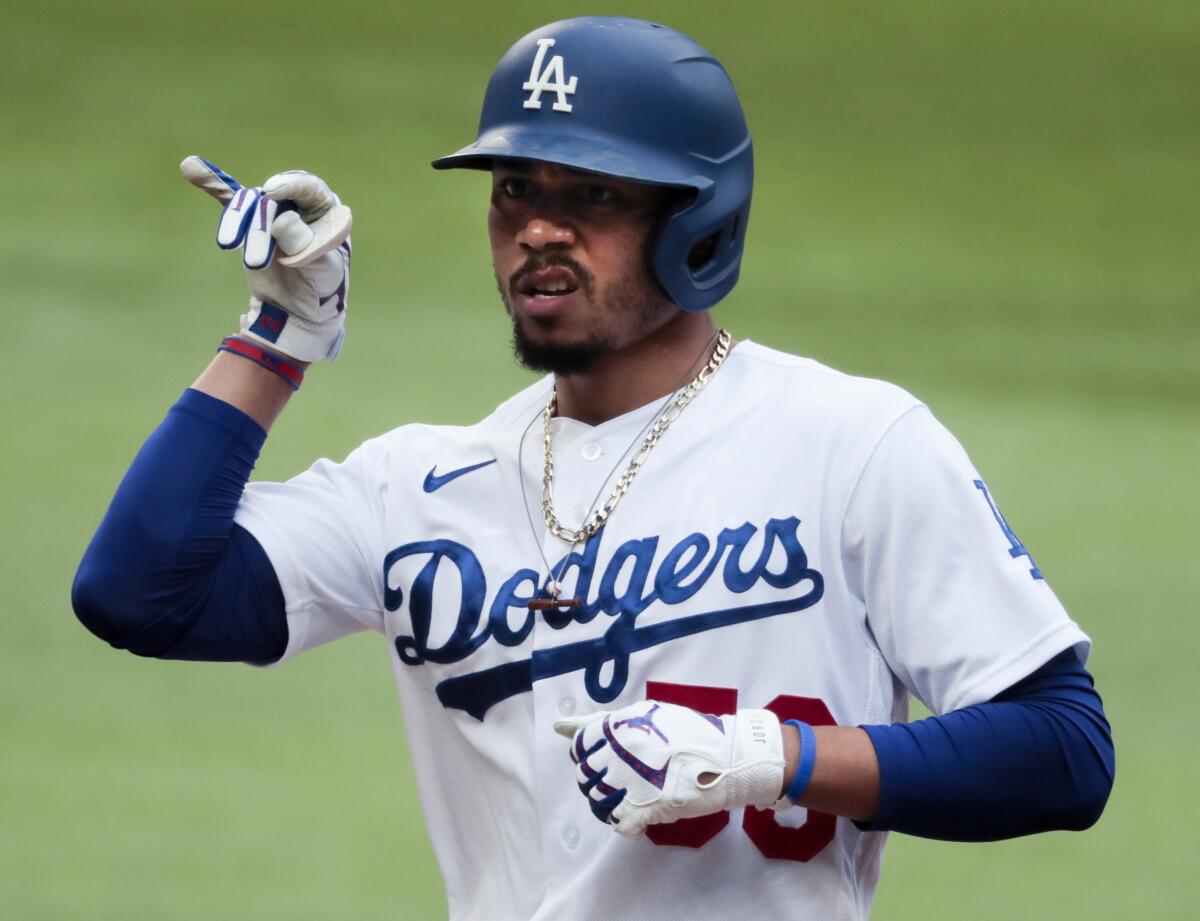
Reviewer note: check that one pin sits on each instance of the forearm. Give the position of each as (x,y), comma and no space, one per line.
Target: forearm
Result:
(258,392)
(845,777)
(1039,757)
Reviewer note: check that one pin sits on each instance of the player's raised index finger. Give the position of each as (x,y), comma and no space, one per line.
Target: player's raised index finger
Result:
(208,177)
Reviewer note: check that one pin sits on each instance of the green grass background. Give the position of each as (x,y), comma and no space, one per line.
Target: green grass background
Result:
(993,204)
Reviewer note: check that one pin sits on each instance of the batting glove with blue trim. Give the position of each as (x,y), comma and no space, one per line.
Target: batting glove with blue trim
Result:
(656,762)
(298,295)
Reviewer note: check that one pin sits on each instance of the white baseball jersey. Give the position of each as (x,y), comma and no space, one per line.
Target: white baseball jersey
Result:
(799,539)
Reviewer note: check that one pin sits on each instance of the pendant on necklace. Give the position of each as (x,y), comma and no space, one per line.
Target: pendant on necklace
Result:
(545,604)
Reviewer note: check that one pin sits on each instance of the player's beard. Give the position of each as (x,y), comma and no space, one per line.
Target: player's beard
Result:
(569,358)
(626,308)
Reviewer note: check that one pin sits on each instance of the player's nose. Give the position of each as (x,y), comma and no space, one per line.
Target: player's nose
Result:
(543,232)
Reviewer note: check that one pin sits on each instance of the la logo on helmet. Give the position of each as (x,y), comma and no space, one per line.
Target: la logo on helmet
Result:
(549,80)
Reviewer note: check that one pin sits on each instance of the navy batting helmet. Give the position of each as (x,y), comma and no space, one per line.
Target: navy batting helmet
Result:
(639,101)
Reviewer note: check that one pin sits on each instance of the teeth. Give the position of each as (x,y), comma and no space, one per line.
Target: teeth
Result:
(552,287)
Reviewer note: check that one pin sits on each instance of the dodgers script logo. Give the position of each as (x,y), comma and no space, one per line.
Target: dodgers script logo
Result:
(549,80)
(683,571)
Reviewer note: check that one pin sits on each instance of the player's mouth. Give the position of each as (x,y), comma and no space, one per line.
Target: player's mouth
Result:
(547,292)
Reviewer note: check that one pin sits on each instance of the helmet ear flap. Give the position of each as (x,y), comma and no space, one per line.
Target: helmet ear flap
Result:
(702,250)
(696,261)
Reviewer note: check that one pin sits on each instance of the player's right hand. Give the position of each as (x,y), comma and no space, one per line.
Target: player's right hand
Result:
(293,233)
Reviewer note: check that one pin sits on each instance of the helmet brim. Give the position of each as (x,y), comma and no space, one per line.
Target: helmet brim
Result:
(592,154)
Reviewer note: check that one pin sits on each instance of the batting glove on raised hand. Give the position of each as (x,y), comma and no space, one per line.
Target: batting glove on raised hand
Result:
(655,762)
(298,299)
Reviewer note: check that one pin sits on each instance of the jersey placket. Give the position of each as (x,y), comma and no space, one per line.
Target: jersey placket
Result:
(583,463)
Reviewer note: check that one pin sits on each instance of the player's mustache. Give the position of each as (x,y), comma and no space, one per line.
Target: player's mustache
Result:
(552,260)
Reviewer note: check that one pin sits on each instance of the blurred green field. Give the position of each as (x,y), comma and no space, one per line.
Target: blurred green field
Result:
(992,204)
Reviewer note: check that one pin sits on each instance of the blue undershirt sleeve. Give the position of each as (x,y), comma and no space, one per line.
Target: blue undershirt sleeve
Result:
(168,574)
(1038,757)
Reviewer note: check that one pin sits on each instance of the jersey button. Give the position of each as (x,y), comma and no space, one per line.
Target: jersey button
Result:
(591,451)
(571,836)
(566,706)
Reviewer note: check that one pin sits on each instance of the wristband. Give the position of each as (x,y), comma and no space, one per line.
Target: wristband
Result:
(804,766)
(272,361)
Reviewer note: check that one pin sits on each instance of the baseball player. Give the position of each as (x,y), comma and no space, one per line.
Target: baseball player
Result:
(682,584)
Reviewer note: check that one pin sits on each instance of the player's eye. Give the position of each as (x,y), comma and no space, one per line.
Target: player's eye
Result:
(514,187)
(598,194)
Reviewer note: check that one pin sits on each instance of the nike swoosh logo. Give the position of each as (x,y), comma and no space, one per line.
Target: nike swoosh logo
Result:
(433,482)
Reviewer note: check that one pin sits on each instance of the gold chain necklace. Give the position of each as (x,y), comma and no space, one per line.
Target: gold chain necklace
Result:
(600,517)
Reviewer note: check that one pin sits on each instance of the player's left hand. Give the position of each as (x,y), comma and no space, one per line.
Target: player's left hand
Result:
(655,762)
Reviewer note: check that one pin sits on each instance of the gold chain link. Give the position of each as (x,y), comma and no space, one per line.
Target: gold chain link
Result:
(600,518)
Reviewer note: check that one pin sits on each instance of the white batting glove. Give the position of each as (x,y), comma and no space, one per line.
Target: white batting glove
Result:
(655,762)
(298,296)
